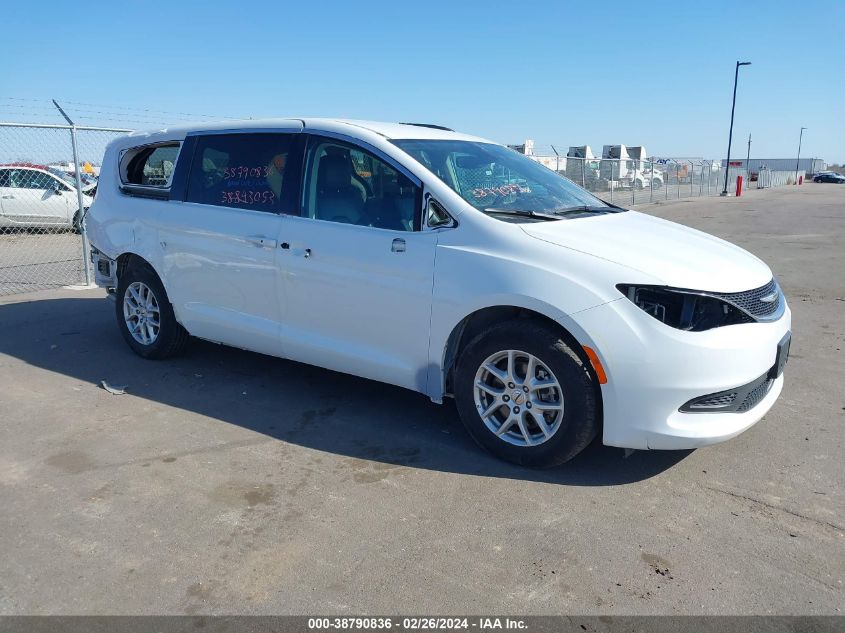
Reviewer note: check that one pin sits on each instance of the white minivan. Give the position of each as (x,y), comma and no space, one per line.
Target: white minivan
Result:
(446,264)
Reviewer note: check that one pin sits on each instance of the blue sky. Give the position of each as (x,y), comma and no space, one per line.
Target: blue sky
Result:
(567,73)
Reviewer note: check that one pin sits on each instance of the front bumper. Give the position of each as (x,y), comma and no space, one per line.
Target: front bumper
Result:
(653,370)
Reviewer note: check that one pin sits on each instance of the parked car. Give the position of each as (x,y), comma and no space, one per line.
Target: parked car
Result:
(37,195)
(89,182)
(829,177)
(445,264)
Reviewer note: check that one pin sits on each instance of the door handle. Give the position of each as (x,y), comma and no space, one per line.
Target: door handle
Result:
(261,241)
(10,197)
(398,245)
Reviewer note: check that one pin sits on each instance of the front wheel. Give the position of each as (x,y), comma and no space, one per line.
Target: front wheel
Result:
(76,223)
(145,316)
(525,395)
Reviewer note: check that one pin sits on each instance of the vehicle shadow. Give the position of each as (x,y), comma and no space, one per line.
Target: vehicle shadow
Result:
(286,400)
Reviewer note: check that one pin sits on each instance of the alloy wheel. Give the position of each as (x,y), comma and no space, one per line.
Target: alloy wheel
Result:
(518,398)
(141,313)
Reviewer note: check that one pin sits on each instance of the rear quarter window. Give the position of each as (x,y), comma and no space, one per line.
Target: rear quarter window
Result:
(150,166)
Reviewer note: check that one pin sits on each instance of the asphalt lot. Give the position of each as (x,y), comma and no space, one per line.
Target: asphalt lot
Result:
(229,482)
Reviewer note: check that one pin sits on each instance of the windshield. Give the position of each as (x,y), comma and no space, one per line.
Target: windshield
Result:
(62,175)
(496,179)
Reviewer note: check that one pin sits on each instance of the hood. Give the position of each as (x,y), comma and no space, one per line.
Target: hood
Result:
(679,256)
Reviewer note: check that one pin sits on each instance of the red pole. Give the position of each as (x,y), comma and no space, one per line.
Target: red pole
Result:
(738,186)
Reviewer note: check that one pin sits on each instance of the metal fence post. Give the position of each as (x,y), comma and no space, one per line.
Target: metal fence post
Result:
(612,163)
(583,172)
(691,178)
(651,183)
(634,186)
(86,247)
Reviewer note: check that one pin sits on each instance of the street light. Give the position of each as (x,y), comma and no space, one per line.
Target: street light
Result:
(798,160)
(731,132)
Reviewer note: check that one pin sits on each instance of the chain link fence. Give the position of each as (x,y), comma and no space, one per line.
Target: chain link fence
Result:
(48,177)
(630,181)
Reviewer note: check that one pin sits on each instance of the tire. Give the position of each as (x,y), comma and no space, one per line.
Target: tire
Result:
(170,338)
(657,184)
(76,225)
(572,427)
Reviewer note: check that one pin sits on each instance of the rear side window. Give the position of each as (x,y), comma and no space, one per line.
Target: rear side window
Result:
(245,171)
(150,166)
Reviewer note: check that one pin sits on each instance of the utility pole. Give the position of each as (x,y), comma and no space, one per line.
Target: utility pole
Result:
(748,156)
(798,160)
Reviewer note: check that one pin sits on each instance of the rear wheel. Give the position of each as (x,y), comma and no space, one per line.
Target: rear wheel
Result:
(145,316)
(525,395)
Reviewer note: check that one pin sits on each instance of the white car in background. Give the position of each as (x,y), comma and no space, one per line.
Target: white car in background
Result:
(40,196)
(445,264)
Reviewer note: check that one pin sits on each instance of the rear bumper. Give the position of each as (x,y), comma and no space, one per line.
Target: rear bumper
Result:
(105,269)
(653,370)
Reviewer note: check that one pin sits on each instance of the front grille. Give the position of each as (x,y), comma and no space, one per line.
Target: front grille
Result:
(750,300)
(753,398)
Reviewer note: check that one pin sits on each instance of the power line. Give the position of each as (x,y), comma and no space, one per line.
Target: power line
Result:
(112,110)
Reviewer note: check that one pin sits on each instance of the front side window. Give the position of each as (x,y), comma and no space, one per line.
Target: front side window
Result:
(245,171)
(496,179)
(347,184)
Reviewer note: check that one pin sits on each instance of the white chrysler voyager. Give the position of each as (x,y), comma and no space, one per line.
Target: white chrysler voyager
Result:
(445,264)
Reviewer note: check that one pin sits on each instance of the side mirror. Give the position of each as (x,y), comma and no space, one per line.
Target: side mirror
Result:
(436,215)
(57,190)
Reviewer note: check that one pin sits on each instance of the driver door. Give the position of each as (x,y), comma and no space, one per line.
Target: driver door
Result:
(356,268)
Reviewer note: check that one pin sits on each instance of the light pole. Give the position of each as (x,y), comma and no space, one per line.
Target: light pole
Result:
(798,160)
(731,132)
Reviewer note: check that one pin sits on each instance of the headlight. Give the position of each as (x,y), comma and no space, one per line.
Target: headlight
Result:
(684,309)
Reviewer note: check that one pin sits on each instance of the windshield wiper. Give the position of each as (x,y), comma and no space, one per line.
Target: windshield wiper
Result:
(584,208)
(523,212)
